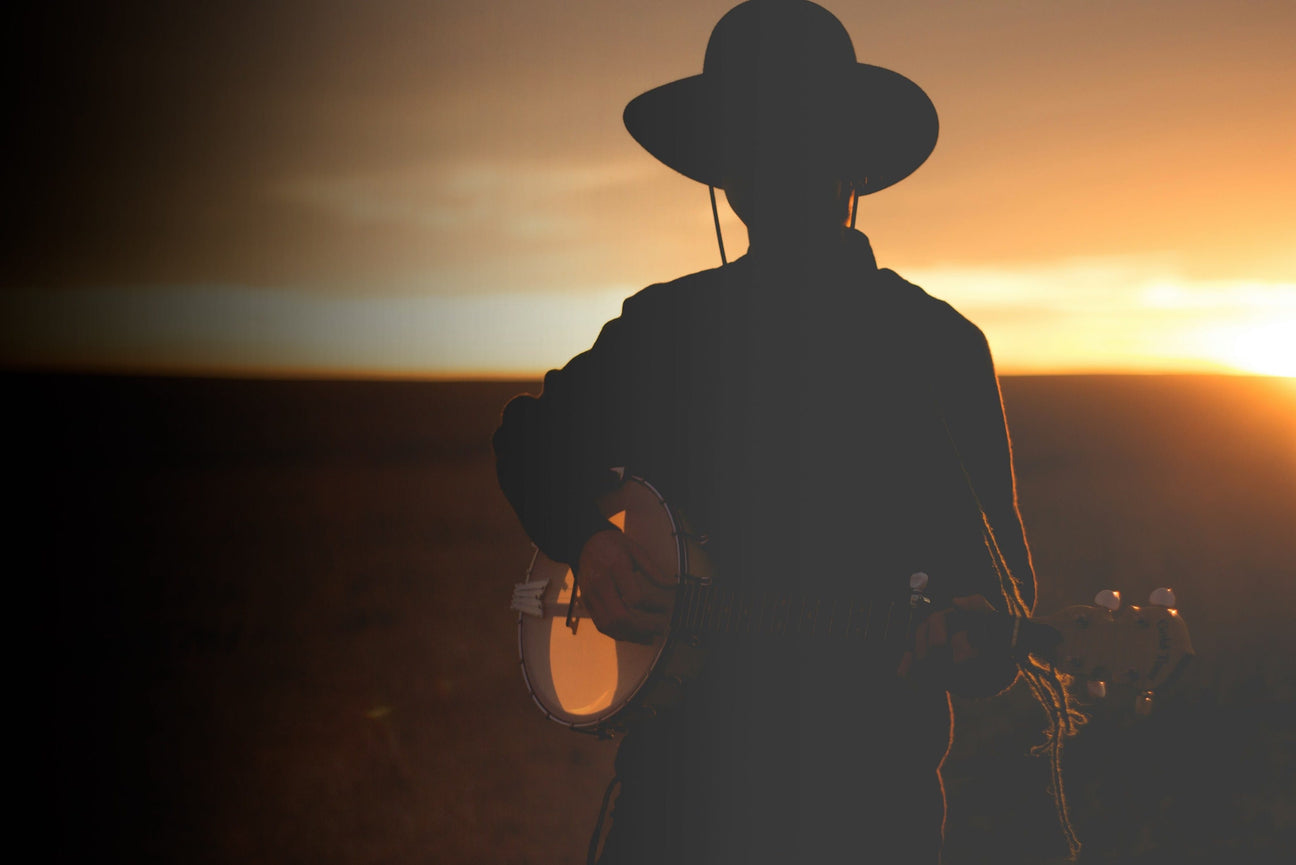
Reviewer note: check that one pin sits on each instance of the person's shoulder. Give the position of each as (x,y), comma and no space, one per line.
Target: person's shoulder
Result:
(667,296)
(930,311)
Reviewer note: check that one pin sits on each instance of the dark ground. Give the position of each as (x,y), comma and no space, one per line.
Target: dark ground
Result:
(268,622)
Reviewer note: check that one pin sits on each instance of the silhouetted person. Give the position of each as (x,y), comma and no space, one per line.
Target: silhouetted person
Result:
(825,423)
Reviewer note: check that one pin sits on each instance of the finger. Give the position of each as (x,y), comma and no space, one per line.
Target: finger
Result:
(606,607)
(652,596)
(638,592)
(937,632)
(972,603)
(654,570)
(985,627)
(617,616)
(643,584)
(961,648)
(620,622)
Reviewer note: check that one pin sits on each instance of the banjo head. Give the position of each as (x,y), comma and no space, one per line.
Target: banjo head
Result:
(578,676)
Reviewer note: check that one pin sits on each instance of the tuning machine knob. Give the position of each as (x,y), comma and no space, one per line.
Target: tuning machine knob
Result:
(1097,689)
(1163,597)
(918,582)
(1143,704)
(1109,600)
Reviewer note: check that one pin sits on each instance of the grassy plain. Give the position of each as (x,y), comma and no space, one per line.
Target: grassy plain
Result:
(271,624)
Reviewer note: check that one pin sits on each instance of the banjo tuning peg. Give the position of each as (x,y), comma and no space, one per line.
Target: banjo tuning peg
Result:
(918,582)
(1097,689)
(1108,600)
(1162,597)
(1143,704)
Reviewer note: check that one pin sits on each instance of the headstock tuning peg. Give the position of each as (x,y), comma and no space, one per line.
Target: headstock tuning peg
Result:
(1108,600)
(1143,704)
(1163,597)
(1097,689)
(918,589)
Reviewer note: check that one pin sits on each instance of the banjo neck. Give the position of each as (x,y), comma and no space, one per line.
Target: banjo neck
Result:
(587,681)
(707,608)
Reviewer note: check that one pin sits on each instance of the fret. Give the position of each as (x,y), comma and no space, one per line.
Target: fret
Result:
(886,630)
(695,602)
(810,615)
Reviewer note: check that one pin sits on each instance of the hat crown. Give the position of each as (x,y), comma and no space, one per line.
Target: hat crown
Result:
(788,42)
(780,85)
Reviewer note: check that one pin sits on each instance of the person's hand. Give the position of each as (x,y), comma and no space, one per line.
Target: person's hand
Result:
(965,648)
(627,594)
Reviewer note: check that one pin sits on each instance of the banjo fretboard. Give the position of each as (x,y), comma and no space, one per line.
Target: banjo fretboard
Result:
(706,608)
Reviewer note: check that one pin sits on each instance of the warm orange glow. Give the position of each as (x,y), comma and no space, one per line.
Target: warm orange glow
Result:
(1262,347)
(584,664)
(1109,196)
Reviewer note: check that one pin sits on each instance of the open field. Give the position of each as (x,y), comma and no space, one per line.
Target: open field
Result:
(268,622)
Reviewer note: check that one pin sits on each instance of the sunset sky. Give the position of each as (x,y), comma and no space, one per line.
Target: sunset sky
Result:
(446,188)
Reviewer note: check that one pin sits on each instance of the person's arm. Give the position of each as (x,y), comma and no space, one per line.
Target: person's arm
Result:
(960,377)
(981,655)
(553,452)
(976,417)
(962,646)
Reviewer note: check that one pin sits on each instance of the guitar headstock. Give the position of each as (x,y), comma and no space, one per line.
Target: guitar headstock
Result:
(1107,643)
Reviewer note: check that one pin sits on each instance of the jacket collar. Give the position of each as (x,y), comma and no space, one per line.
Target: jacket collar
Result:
(850,250)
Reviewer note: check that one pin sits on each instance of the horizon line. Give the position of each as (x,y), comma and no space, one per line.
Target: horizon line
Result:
(261,373)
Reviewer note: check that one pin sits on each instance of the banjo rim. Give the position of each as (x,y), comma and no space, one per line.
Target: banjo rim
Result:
(612,718)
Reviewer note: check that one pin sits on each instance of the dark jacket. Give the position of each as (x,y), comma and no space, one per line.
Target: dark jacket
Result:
(795,406)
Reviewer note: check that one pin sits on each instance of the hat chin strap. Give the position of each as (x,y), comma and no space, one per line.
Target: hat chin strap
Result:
(715,214)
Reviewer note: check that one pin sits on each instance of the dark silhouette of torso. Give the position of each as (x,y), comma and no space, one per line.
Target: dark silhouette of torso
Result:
(794,405)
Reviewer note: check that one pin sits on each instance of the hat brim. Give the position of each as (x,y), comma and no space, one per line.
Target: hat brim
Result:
(885,126)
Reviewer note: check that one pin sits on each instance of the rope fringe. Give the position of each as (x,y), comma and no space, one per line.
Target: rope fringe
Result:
(1047,685)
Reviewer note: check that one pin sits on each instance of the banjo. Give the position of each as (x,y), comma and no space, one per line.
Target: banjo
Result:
(592,683)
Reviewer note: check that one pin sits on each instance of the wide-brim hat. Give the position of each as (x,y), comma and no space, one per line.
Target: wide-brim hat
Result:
(780,83)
